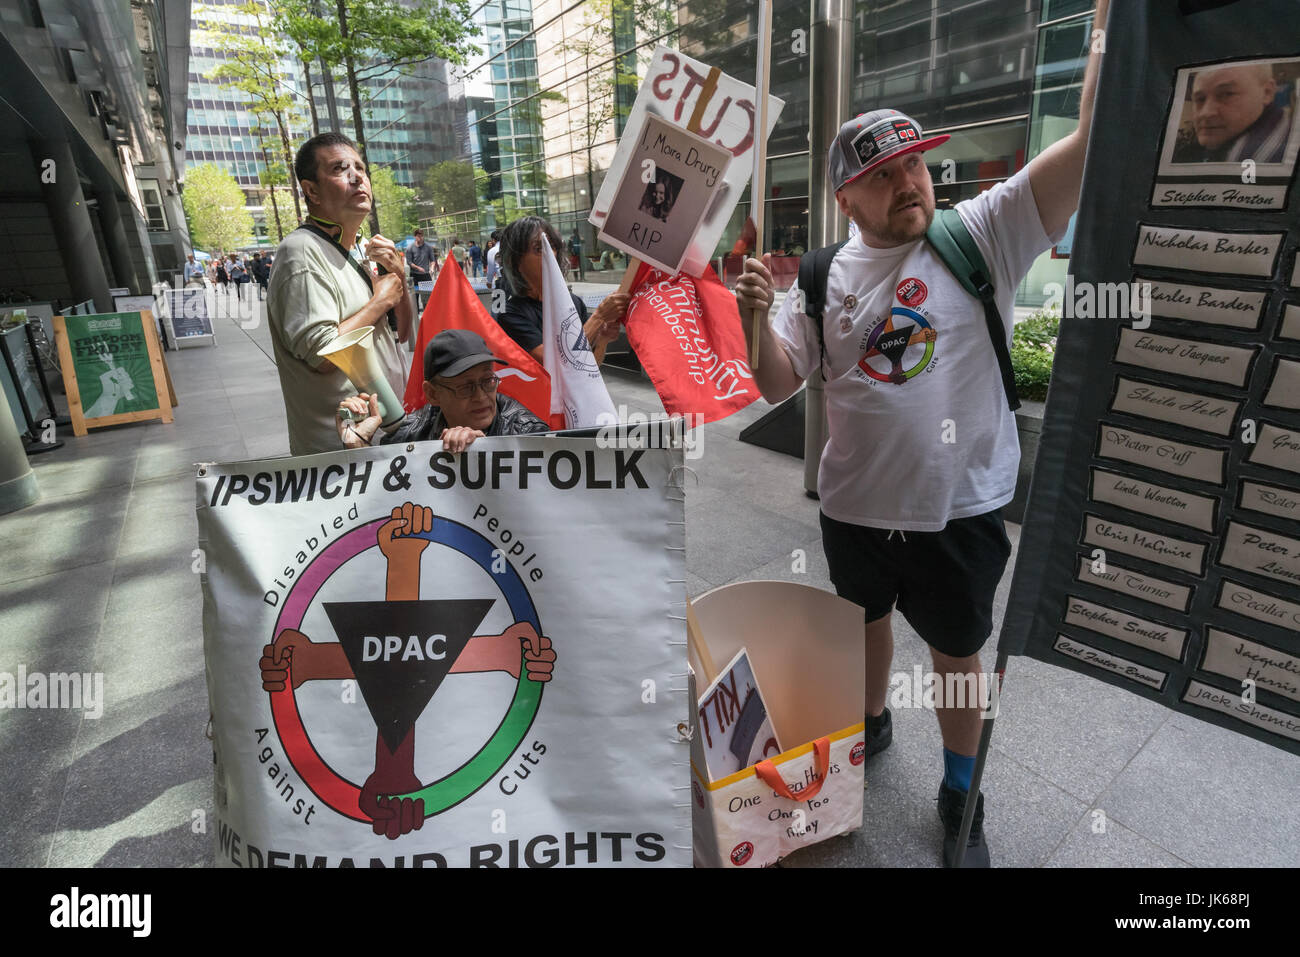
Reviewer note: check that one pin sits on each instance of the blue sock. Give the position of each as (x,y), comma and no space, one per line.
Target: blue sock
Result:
(957,770)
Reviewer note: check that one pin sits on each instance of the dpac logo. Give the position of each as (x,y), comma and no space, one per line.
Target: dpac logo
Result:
(741,853)
(400,651)
(911,292)
(900,347)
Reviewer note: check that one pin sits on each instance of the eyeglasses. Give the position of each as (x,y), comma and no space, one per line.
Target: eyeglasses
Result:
(466,391)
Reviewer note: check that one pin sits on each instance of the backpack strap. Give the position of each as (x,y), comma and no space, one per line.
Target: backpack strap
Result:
(814,268)
(954,244)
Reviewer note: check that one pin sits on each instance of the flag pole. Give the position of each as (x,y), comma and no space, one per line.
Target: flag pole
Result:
(758,185)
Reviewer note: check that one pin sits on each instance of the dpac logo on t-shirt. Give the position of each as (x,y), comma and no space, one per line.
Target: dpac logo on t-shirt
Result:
(901,346)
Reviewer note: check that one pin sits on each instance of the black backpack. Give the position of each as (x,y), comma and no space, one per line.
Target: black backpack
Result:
(954,245)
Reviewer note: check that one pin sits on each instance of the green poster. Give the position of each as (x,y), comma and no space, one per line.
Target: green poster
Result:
(111,359)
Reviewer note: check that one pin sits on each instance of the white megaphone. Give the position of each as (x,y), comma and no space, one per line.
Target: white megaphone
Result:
(354,353)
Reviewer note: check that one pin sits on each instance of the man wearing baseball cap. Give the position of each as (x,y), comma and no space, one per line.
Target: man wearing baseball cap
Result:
(460,386)
(922,448)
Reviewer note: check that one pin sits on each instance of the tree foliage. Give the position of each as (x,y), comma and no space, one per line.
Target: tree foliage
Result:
(214,205)
(394,203)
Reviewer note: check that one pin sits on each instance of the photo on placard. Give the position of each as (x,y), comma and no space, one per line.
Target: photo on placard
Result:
(1232,135)
(671,181)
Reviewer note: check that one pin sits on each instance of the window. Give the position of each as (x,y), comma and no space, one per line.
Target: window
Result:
(151,197)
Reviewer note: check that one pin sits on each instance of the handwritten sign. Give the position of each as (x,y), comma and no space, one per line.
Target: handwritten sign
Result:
(1261,552)
(1151,677)
(1208,304)
(1144,543)
(1136,584)
(1245,660)
(673,176)
(1230,703)
(1270,500)
(1284,387)
(677,88)
(1162,639)
(1241,254)
(1277,447)
(1173,505)
(1194,358)
(1165,455)
(1251,602)
(1205,412)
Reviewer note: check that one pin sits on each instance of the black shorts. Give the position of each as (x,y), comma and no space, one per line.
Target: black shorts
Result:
(943,582)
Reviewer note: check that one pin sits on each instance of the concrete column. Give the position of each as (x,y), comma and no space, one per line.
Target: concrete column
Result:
(829,105)
(18,487)
(66,205)
(119,252)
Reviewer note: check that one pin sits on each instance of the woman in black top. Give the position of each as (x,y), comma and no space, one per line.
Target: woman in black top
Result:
(521,265)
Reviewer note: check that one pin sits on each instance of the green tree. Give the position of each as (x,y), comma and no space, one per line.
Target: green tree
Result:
(214,205)
(449,188)
(372,38)
(250,58)
(393,202)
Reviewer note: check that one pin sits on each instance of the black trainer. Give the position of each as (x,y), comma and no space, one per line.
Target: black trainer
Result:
(951,802)
(879,732)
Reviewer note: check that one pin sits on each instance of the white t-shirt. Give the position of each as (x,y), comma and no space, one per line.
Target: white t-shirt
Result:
(313,288)
(920,432)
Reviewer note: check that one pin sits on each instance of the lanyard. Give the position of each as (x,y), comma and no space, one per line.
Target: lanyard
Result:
(312,227)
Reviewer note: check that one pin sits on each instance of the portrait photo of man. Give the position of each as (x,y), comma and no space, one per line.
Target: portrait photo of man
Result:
(1237,111)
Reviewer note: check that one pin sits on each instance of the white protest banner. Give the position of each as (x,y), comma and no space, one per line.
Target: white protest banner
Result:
(577,387)
(420,659)
(691,95)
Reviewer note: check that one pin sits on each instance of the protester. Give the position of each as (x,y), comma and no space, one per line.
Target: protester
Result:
(905,518)
(319,291)
(521,265)
(419,256)
(460,387)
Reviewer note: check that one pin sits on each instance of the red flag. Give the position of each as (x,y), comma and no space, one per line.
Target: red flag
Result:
(686,332)
(454,305)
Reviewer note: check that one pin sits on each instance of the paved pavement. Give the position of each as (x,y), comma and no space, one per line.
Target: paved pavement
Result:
(98,577)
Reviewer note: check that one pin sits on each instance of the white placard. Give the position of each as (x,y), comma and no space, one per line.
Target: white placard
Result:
(1143,543)
(1224,702)
(1239,254)
(1284,387)
(1277,447)
(1162,639)
(1261,552)
(1158,501)
(1194,358)
(672,90)
(1250,602)
(1072,648)
(1207,413)
(1208,304)
(1235,657)
(1270,500)
(1158,591)
(672,177)
(442,688)
(1155,452)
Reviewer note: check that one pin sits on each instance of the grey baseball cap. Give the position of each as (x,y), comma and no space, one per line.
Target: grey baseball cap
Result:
(452,351)
(870,139)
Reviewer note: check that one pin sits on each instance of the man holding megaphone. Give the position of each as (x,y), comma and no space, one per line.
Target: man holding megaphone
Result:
(319,291)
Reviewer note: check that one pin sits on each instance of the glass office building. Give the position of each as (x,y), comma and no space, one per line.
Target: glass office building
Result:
(545,100)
